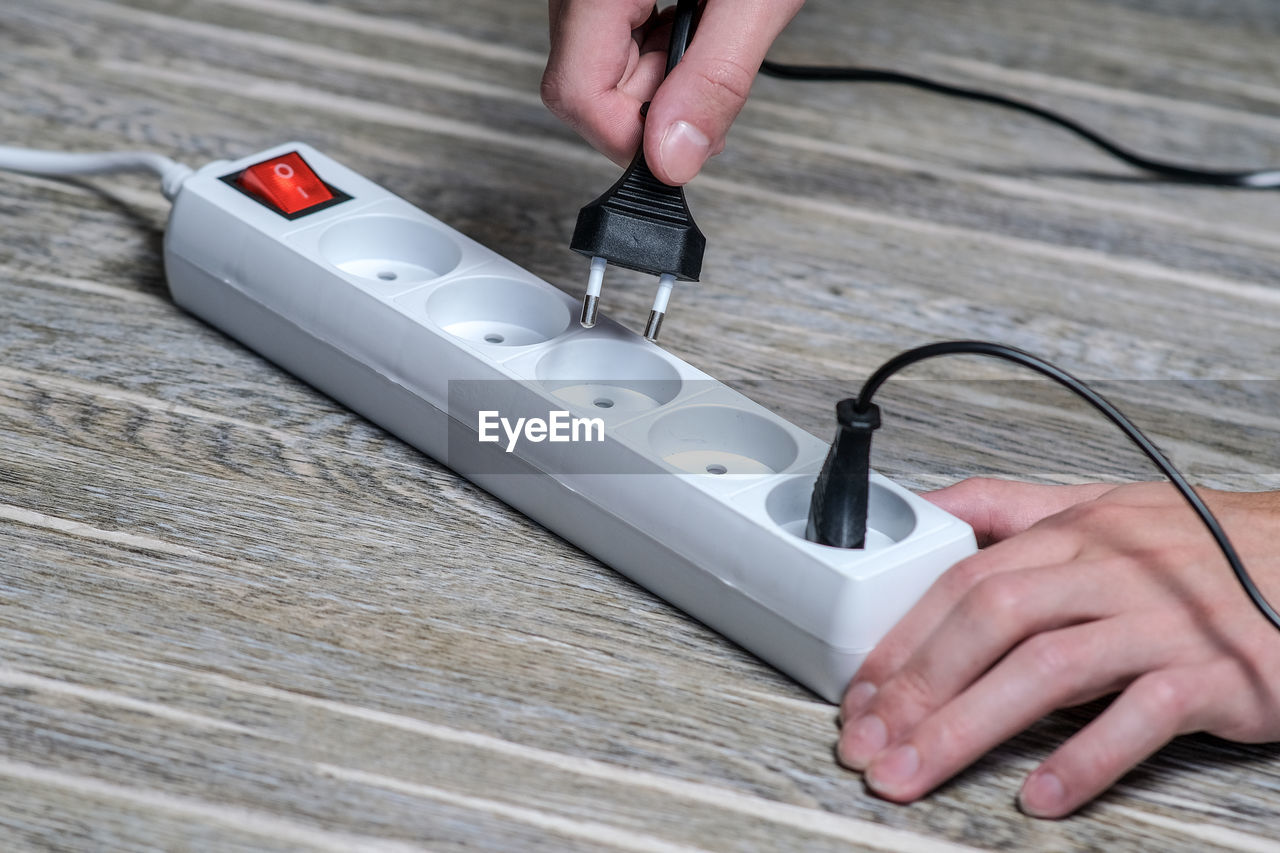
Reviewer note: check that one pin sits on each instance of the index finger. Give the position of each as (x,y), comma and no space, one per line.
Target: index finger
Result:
(999,509)
(593,54)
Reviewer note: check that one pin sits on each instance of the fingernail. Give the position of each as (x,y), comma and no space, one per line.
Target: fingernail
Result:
(682,151)
(1042,795)
(862,741)
(858,697)
(894,770)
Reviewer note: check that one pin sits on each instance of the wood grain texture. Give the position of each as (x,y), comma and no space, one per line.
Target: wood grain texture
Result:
(233,615)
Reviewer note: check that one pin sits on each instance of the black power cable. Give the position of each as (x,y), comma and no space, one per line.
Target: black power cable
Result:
(842,487)
(1253,179)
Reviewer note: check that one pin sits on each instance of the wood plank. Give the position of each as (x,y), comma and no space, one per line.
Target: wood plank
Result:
(234,615)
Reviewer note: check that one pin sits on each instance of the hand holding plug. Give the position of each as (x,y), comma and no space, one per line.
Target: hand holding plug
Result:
(607,78)
(642,223)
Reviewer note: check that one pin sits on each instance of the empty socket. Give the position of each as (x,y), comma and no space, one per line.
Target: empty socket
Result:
(500,311)
(391,249)
(721,440)
(609,378)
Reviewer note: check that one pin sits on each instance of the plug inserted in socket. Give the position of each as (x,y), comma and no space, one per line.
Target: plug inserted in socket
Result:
(648,500)
(890,517)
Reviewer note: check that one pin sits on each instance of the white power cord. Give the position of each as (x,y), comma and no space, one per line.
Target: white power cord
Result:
(36,162)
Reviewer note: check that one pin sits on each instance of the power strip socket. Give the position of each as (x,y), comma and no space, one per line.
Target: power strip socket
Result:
(694,491)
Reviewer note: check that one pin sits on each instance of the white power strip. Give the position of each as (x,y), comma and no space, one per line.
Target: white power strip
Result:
(692,491)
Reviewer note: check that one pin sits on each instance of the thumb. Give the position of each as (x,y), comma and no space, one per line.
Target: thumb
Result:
(692,110)
(998,509)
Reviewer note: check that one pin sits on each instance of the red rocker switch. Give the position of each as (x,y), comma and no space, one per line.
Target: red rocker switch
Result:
(287,185)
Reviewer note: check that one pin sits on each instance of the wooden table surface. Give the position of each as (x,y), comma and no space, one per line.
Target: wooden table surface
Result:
(234,615)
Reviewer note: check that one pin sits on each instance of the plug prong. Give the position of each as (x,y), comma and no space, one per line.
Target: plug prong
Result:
(665,283)
(591,302)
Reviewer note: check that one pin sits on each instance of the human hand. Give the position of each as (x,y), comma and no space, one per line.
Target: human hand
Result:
(1083,591)
(608,58)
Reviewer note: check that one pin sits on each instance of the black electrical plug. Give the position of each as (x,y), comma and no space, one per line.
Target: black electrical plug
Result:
(641,223)
(838,509)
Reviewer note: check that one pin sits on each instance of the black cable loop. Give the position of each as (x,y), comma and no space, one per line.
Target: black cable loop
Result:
(1254,179)
(1100,403)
